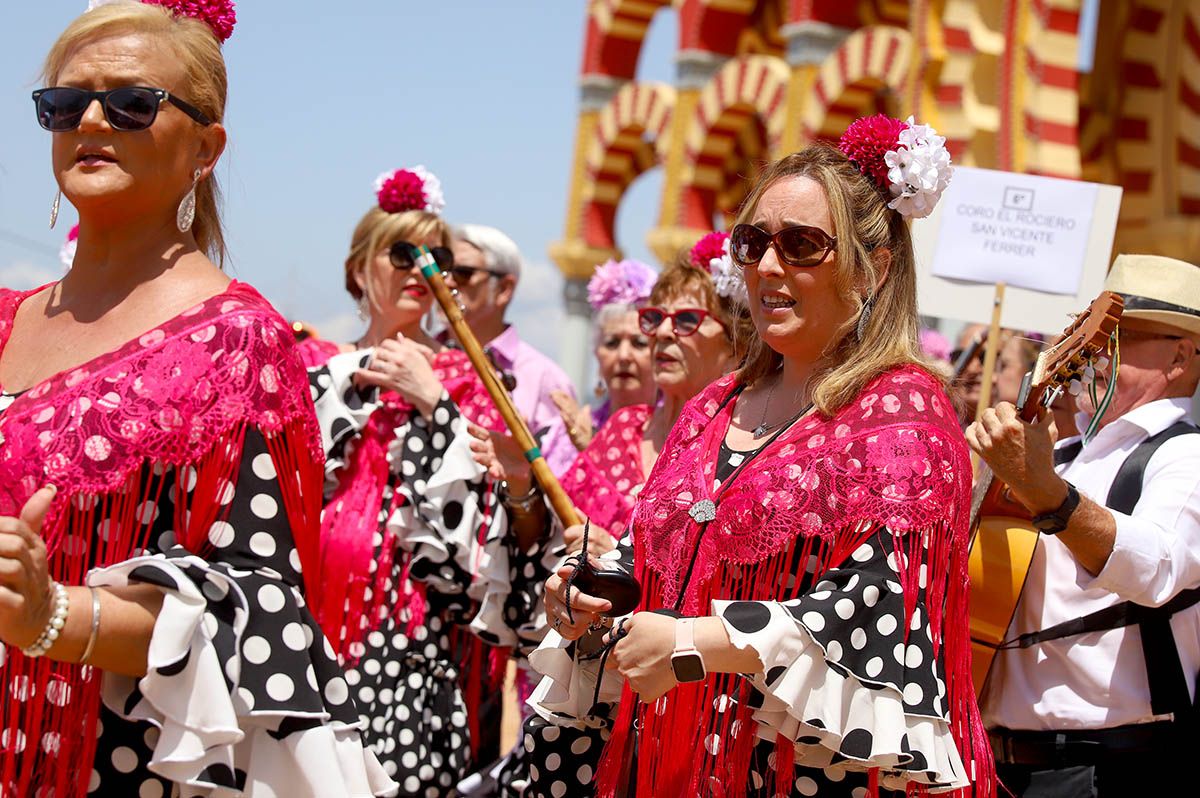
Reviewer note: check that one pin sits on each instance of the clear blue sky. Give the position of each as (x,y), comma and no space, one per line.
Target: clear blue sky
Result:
(325,96)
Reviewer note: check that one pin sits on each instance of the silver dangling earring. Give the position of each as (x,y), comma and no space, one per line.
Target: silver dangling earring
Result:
(363,312)
(186,214)
(54,208)
(864,317)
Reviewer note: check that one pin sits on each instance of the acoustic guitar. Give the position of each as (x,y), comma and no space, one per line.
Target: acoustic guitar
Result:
(1003,538)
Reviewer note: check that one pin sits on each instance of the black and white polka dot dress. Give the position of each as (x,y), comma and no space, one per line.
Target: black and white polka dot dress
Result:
(242,682)
(843,679)
(442,511)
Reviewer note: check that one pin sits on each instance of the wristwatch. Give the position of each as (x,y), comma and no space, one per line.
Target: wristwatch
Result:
(1054,522)
(686,660)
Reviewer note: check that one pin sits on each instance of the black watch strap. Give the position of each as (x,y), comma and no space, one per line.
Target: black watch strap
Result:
(1056,521)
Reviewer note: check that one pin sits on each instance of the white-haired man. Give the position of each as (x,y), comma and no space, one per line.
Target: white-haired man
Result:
(487,267)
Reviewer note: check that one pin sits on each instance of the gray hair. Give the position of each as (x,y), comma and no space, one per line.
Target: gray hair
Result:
(606,314)
(500,252)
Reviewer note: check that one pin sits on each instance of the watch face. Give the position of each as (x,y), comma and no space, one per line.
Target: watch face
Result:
(688,667)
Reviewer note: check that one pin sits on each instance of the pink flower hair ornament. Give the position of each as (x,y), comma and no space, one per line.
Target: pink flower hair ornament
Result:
(219,15)
(711,254)
(66,252)
(908,161)
(620,282)
(411,189)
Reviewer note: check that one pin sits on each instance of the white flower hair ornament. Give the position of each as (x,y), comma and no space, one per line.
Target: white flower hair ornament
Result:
(908,161)
(66,253)
(711,254)
(410,189)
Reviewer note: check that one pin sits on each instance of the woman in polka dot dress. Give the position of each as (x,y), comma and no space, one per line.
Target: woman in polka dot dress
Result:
(152,603)
(605,479)
(412,527)
(801,542)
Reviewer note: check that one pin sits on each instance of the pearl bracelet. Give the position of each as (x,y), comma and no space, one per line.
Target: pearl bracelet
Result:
(58,619)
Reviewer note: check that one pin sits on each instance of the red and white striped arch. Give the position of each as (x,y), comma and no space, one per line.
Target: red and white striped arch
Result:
(630,138)
(871,62)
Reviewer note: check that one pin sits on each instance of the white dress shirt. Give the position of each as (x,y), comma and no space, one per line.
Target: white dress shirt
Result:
(1098,680)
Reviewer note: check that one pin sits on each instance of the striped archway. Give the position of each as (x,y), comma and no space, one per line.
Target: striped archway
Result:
(738,124)
(629,139)
(857,79)
(616,30)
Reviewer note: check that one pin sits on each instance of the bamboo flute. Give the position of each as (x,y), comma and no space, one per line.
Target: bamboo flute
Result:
(560,503)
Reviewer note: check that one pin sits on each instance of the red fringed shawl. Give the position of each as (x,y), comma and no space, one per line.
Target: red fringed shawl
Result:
(894,457)
(604,479)
(181,396)
(351,517)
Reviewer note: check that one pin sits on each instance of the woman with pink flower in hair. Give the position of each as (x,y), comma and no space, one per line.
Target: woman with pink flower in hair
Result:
(615,292)
(801,540)
(413,528)
(160,476)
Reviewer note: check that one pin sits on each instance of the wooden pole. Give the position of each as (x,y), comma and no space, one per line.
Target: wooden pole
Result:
(562,505)
(989,360)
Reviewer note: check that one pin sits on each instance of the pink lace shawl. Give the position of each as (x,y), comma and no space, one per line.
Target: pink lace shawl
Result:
(351,517)
(604,479)
(893,457)
(181,396)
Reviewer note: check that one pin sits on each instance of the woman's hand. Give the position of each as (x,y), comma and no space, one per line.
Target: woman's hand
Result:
(599,540)
(643,654)
(586,609)
(406,367)
(501,455)
(577,418)
(25,594)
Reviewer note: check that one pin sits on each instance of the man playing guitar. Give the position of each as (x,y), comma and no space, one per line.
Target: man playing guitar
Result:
(1093,696)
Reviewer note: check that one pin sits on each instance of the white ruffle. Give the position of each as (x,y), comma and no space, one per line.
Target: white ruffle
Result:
(810,689)
(201,723)
(565,695)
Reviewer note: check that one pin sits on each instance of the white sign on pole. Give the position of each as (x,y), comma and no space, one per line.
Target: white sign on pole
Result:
(1021,230)
(1049,240)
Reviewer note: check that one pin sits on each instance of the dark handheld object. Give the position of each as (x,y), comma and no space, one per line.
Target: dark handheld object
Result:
(620,589)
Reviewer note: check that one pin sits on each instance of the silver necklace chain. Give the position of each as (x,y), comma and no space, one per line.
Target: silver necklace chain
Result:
(763,428)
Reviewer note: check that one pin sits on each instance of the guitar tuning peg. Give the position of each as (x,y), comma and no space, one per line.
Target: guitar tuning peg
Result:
(1101,363)
(1074,387)
(1089,375)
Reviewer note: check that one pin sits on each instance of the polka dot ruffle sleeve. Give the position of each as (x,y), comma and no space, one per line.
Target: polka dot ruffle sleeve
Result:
(342,408)
(243,692)
(847,679)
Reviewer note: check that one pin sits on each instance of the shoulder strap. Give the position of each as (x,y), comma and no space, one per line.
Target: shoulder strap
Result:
(1126,486)
(1168,683)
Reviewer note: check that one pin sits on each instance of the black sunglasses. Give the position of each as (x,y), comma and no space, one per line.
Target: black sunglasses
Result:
(403,256)
(129,108)
(684,321)
(463,274)
(800,246)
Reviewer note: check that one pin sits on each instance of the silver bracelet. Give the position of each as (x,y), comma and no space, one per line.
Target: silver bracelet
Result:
(58,619)
(91,643)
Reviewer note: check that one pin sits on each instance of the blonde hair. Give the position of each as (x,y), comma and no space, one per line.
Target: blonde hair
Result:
(378,230)
(863,225)
(205,83)
(680,277)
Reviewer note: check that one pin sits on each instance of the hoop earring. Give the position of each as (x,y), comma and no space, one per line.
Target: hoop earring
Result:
(54,206)
(864,317)
(186,215)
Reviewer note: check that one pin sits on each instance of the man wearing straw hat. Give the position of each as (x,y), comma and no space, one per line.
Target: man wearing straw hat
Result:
(1095,698)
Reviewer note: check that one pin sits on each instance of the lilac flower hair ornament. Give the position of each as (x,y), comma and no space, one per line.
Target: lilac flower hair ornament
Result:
(620,282)
(908,161)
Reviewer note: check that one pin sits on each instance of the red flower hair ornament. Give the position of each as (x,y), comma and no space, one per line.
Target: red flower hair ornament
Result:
(410,189)
(907,160)
(219,15)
